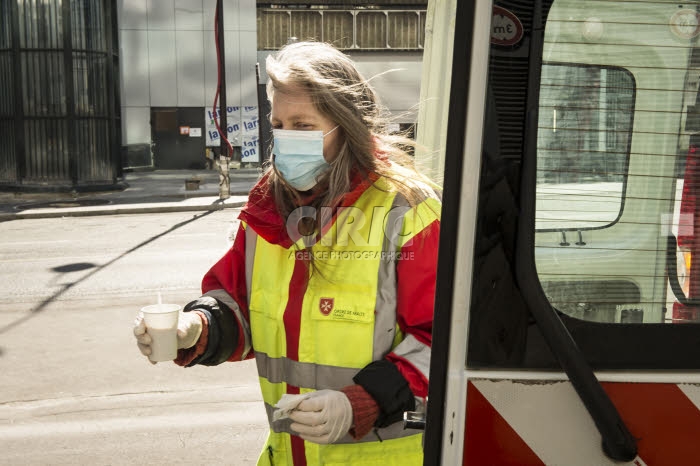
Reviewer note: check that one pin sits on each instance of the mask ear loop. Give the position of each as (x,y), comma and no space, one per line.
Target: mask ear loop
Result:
(329,132)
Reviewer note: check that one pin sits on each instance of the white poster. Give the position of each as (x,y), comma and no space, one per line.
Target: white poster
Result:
(233,120)
(249,148)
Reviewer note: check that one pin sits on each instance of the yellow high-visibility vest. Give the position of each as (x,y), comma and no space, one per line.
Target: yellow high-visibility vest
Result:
(346,319)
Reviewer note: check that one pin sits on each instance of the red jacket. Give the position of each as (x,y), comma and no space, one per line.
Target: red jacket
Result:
(415,280)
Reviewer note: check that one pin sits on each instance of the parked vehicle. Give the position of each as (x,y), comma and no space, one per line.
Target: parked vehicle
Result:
(567,310)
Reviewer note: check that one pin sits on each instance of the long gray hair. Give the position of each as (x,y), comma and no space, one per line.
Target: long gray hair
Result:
(341,94)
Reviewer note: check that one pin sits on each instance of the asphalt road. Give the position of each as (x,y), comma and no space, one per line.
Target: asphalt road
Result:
(74,388)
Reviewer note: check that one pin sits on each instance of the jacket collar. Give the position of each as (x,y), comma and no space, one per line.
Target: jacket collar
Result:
(260,212)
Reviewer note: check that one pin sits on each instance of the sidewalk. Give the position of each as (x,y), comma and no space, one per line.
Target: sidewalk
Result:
(147,192)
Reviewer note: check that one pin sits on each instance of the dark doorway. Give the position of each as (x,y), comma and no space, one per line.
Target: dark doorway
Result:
(178,137)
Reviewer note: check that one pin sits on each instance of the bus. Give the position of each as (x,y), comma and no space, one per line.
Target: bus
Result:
(567,307)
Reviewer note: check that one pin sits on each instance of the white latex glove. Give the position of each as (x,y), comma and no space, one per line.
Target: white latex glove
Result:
(323,417)
(143,339)
(189,328)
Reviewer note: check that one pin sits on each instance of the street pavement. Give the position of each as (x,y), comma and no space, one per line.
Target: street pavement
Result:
(146,192)
(76,390)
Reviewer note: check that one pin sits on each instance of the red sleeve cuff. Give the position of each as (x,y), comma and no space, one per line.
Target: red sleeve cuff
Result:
(187,355)
(364,410)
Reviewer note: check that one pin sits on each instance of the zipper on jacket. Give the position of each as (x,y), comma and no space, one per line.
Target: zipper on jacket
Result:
(269,453)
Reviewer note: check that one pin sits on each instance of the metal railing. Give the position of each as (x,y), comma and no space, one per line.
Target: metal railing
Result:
(360,29)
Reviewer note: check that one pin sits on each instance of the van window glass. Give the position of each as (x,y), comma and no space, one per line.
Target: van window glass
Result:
(617,173)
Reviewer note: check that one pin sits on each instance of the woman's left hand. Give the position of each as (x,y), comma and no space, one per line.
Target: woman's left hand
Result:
(323,417)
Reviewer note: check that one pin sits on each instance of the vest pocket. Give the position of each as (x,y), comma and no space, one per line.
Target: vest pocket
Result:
(341,330)
(267,324)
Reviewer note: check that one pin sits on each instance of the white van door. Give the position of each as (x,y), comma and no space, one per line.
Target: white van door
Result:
(564,146)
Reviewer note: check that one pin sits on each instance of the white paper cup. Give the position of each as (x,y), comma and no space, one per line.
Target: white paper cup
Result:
(161,325)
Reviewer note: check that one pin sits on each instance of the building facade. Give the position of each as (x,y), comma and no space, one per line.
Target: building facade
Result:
(169,79)
(169,70)
(94,87)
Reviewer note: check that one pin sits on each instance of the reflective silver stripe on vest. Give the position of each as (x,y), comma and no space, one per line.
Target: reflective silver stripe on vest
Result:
(303,374)
(385,307)
(415,352)
(409,348)
(251,240)
(393,431)
(225,298)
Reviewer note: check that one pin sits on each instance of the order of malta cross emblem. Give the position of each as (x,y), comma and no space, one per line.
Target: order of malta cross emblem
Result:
(326,306)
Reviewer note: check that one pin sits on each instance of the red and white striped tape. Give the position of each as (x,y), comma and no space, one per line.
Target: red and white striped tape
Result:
(545,423)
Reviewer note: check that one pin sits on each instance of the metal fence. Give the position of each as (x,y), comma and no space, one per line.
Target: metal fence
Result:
(59,109)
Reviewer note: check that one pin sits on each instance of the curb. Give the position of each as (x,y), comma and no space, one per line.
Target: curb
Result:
(122,209)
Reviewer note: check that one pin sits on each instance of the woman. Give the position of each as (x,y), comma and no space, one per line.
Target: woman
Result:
(331,278)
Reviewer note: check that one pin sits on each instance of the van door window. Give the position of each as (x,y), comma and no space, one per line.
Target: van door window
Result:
(616,115)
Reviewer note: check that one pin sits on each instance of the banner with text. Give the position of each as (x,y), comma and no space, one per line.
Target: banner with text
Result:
(249,137)
(233,121)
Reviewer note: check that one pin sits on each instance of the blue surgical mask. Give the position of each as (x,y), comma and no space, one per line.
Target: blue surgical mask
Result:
(299,156)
